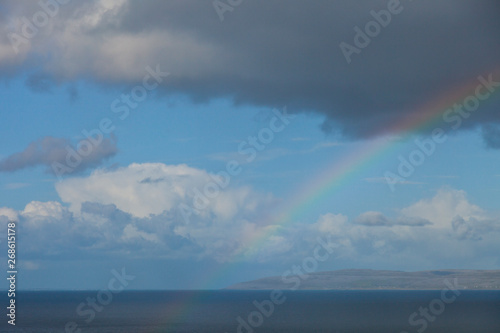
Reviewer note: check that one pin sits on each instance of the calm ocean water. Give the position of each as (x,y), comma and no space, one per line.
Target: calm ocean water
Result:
(218,311)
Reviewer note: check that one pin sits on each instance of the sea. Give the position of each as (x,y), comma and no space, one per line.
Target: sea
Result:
(213,311)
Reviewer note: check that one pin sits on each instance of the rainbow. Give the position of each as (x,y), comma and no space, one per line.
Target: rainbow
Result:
(336,176)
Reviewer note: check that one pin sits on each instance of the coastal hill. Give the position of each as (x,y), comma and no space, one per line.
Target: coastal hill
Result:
(355,279)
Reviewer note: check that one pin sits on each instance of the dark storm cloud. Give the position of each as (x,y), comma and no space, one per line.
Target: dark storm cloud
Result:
(273,53)
(49,150)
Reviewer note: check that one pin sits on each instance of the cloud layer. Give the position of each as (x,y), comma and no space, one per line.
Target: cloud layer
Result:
(269,53)
(134,212)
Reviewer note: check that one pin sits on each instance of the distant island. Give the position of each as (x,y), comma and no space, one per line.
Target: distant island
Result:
(368,279)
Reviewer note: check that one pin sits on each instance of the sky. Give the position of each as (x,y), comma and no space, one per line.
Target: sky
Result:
(198,144)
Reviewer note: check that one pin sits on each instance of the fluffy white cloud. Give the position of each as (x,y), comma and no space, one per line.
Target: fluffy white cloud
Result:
(137,207)
(444,228)
(332,224)
(444,207)
(152,188)
(36,209)
(139,189)
(9,214)
(132,211)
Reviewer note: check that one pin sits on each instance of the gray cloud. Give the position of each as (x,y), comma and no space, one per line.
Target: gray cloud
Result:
(49,150)
(491,136)
(270,53)
(377,219)
(474,229)
(149,180)
(465,229)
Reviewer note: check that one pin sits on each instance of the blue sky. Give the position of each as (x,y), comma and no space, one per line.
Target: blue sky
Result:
(121,205)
